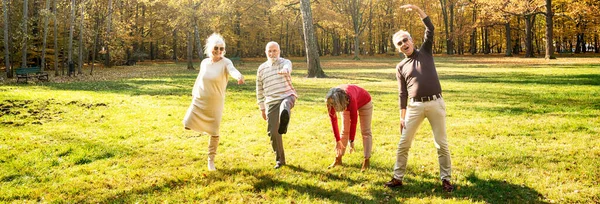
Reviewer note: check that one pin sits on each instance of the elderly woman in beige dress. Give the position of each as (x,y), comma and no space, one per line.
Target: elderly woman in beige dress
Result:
(208,96)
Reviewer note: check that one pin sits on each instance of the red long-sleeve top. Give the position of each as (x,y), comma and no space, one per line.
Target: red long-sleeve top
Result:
(357,97)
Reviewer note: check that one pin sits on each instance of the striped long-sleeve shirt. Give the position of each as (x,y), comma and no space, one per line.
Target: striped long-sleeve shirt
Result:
(272,87)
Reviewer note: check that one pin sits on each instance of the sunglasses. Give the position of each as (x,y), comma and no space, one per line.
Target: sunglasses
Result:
(404,40)
(219,48)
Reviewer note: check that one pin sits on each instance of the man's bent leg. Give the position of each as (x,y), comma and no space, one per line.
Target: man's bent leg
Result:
(285,113)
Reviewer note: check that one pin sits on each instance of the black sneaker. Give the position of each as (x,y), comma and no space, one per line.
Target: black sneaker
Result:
(284,119)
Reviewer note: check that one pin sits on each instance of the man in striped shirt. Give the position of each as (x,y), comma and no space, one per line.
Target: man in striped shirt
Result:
(274,91)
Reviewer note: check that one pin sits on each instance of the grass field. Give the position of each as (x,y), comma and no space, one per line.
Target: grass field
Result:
(520,131)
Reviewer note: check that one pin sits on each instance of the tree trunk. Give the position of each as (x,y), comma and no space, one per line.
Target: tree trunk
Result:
(486,44)
(451,39)
(354,7)
(582,44)
(71,28)
(64,51)
(482,49)
(529,20)
(190,51)
(25,34)
(549,35)
(199,42)
(46,13)
(312,53)
(508,39)
(517,44)
(578,43)
(286,49)
(371,49)
(596,43)
(356,47)
(141,57)
(461,45)
(348,46)
(82,3)
(444,6)
(474,34)
(94,47)
(107,61)
(237,30)
(152,51)
(175,44)
(335,39)
(6,47)
(56,50)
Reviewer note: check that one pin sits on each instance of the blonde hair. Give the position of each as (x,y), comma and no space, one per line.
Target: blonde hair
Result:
(337,98)
(398,36)
(211,42)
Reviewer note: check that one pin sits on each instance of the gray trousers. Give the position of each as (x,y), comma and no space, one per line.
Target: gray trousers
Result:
(273,115)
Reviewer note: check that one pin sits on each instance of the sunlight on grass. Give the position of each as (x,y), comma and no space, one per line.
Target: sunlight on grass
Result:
(520,131)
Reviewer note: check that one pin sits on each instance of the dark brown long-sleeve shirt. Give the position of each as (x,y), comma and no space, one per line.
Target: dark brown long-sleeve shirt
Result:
(416,74)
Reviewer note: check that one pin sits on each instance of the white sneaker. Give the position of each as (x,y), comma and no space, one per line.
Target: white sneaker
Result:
(211,165)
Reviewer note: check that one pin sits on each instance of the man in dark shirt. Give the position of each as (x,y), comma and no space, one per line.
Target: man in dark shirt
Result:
(420,97)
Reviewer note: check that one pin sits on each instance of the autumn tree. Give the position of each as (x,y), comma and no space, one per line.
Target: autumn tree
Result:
(312,53)
(355,12)
(528,10)
(447,7)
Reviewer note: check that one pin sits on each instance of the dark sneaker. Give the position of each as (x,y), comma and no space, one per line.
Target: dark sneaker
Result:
(447,186)
(394,183)
(284,119)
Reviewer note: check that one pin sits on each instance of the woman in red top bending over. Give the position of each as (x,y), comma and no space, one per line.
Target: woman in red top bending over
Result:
(354,102)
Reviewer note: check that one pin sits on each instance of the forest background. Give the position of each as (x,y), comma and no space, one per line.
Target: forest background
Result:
(52,33)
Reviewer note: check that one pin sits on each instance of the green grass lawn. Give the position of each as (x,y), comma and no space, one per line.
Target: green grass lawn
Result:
(520,131)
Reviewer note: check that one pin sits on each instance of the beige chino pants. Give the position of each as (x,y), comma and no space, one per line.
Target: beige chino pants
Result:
(416,112)
(365,114)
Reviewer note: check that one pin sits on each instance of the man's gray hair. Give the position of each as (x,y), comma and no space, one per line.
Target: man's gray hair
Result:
(339,99)
(272,43)
(398,36)
(211,42)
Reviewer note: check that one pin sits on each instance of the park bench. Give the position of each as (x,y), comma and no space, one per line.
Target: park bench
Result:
(31,72)
(236,60)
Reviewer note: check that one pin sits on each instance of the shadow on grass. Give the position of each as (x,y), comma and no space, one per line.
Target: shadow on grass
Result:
(525,78)
(477,189)
(267,183)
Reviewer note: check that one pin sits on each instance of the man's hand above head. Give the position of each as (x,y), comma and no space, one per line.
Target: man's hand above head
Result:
(410,7)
